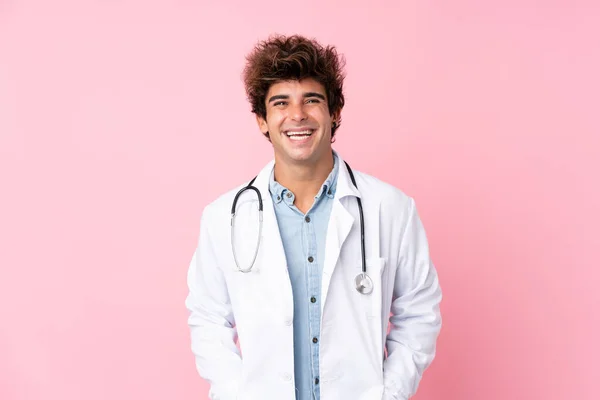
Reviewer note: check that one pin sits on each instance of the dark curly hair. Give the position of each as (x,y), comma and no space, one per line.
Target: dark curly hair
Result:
(281,58)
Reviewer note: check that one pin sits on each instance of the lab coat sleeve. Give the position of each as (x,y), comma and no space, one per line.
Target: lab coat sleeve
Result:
(211,320)
(416,319)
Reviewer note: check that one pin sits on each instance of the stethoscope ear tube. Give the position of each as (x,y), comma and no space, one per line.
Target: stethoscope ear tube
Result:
(242,190)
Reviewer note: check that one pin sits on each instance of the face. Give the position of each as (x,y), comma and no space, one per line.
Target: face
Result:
(298,121)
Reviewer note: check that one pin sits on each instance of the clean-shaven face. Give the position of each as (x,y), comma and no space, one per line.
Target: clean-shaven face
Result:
(298,121)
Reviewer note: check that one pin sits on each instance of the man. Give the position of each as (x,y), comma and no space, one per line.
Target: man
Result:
(310,325)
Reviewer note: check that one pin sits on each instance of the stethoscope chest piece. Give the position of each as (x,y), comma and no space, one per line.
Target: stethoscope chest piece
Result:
(364,284)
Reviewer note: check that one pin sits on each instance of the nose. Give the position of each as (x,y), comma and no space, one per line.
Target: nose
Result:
(297,112)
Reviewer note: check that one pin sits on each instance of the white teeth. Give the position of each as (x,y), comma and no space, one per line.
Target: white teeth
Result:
(298,137)
(301,133)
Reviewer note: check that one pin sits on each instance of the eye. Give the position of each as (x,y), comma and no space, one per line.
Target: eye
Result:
(279,103)
(313,101)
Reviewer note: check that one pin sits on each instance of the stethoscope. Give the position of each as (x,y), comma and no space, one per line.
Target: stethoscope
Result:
(364,284)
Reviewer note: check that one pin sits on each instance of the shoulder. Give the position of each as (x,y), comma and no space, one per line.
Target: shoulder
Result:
(221,206)
(397,210)
(392,198)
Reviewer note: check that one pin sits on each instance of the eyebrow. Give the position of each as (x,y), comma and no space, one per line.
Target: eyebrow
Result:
(286,97)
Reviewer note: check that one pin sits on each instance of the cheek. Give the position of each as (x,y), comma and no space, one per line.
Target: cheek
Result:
(274,122)
(320,114)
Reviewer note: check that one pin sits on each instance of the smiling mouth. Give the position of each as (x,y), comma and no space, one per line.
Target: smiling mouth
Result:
(299,135)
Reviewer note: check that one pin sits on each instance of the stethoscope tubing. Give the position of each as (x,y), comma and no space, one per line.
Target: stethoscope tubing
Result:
(364,285)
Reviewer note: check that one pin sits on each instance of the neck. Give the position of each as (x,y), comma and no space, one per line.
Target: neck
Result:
(304,180)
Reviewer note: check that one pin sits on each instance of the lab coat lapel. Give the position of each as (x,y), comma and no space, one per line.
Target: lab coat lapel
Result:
(339,227)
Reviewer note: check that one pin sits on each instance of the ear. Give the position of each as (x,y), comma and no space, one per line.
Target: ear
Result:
(335,117)
(262,124)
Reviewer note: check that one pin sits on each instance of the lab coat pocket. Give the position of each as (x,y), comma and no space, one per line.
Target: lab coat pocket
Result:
(373,315)
(373,301)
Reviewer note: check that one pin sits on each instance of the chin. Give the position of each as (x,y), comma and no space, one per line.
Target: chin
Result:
(301,157)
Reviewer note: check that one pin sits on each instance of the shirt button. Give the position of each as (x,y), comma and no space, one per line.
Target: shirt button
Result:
(307,218)
(315,340)
(313,300)
(316,381)
(310,259)
(288,194)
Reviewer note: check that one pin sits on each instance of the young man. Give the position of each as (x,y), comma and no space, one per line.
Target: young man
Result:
(308,287)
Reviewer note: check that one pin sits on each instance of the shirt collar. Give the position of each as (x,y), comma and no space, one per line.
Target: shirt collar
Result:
(280,193)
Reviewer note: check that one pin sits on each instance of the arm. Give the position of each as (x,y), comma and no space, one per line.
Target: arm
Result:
(211,321)
(416,319)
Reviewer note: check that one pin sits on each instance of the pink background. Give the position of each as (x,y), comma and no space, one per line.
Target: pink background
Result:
(120,120)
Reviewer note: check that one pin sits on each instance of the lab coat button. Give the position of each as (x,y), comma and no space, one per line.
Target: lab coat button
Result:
(289,321)
(286,377)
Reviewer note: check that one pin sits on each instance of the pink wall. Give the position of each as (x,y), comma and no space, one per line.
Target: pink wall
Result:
(114,114)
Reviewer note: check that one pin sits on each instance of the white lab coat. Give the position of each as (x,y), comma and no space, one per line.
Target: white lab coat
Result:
(257,307)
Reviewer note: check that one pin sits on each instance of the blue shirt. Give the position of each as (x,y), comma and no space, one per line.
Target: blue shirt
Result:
(303,237)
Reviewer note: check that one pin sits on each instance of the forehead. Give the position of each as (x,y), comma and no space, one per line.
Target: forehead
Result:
(299,87)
